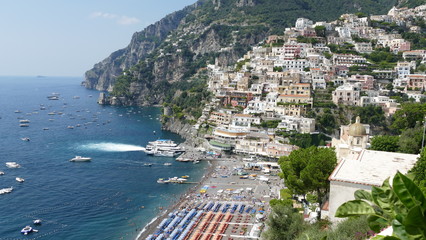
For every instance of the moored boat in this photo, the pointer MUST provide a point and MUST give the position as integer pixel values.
(80, 159)
(18, 179)
(6, 190)
(12, 165)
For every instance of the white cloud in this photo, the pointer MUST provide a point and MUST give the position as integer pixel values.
(120, 19)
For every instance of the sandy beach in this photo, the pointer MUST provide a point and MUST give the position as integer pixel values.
(230, 201)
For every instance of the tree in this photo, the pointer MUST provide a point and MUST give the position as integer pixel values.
(419, 171)
(284, 223)
(410, 140)
(385, 143)
(402, 206)
(320, 31)
(408, 116)
(307, 170)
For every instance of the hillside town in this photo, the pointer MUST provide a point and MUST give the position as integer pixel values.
(275, 83)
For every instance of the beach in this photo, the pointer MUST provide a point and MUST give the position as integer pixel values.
(229, 202)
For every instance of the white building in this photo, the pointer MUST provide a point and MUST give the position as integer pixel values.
(298, 124)
(363, 171)
(347, 94)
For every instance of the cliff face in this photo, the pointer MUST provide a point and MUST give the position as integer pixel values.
(220, 31)
(102, 76)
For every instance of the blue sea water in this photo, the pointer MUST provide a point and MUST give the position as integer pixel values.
(112, 197)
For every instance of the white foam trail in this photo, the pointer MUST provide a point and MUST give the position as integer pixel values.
(112, 147)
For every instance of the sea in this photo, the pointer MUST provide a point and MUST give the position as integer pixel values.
(114, 196)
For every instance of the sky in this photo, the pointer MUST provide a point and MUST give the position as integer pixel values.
(67, 37)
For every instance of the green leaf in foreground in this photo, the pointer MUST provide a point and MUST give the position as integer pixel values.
(354, 208)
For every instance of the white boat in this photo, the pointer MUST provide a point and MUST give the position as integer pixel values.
(147, 164)
(6, 190)
(28, 229)
(17, 111)
(24, 121)
(167, 164)
(195, 162)
(1, 173)
(80, 159)
(53, 97)
(70, 127)
(24, 125)
(12, 165)
(37, 221)
(26, 139)
(161, 180)
(18, 179)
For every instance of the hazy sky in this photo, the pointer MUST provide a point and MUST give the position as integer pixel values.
(67, 37)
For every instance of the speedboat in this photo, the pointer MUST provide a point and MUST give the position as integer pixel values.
(6, 190)
(161, 180)
(80, 159)
(24, 121)
(26, 139)
(196, 161)
(1, 173)
(18, 179)
(37, 221)
(167, 164)
(24, 125)
(12, 165)
(147, 164)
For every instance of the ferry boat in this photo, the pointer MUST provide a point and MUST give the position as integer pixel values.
(80, 159)
(12, 165)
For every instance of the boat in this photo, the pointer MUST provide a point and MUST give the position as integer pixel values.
(70, 127)
(12, 165)
(24, 121)
(26, 139)
(6, 190)
(76, 97)
(196, 161)
(18, 179)
(147, 164)
(51, 113)
(17, 111)
(167, 164)
(80, 159)
(53, 97)
(161, 180)
(37, 221)
(45, 128)
(28, 229)
(24, 125)
(1, 173)
(177, 180)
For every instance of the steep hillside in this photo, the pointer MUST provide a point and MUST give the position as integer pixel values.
(177, 46)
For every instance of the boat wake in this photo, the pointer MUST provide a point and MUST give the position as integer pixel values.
(112, 147)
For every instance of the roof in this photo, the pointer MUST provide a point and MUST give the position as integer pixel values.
(372, 167)
(357, 129)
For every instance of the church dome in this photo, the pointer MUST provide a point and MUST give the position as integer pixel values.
(357, 129)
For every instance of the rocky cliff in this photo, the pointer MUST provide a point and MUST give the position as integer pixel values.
(214, 31)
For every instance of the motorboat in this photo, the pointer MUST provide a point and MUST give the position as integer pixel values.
(1, 173)
(161, 180)
(24, 121)
(167, 164)
(26, 139)
(80, 159)
(37, 221)
(6, 190)
(147, 164)
(17, 111)
(53, 97)
(12, 165)
(28, 229)
(24, 125)
(18, 179)
(177, 180)
(70, 127)
(196, 161)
